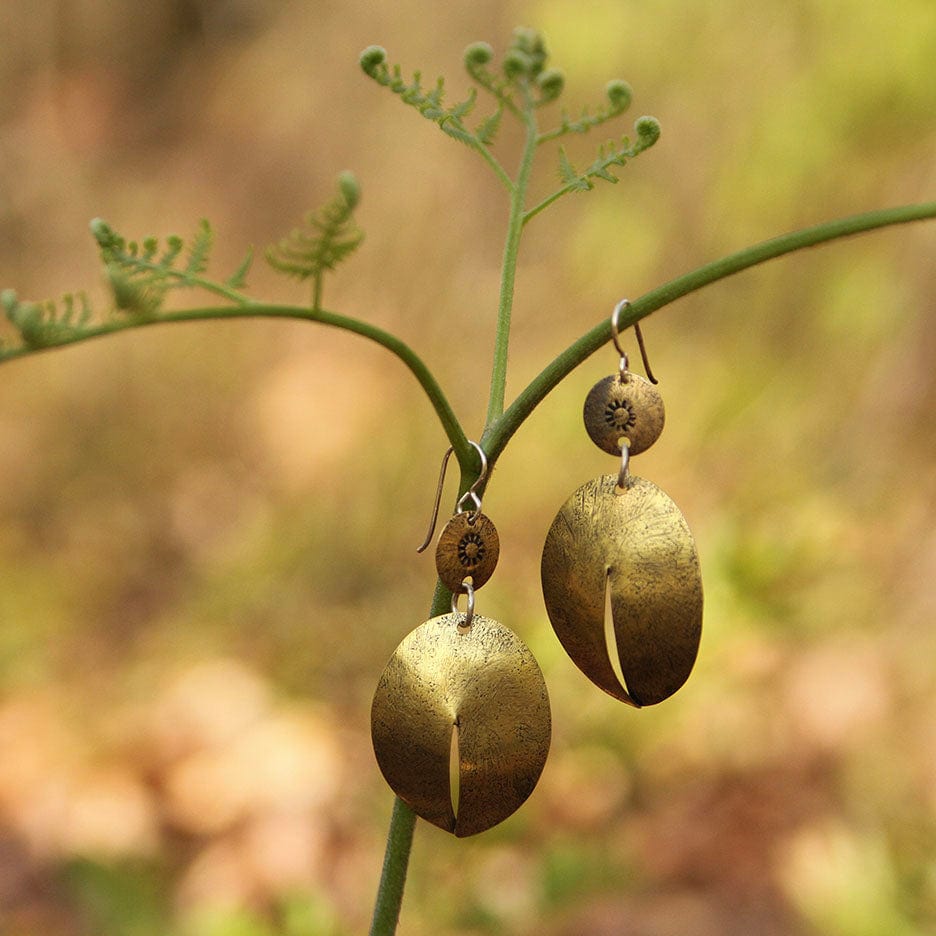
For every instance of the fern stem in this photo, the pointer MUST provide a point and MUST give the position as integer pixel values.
(449, 421)
(393, 876)
(509, 271)
(193, 280)
(499, 433)
(546, 202)
(317, 284)
(495, 165)
(403, 820)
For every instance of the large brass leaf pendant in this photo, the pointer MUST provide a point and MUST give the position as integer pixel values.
(483, 684)
(636, 543)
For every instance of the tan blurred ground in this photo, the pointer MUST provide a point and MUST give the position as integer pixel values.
(207, 543)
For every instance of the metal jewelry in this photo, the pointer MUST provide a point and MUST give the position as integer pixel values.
(460, 720)
(621, 534)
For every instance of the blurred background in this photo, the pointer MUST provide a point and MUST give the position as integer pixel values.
(208, 532)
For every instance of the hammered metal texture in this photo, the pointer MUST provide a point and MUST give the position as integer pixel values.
(631, 408)
(486, 682)
(467, 548)
(638, 544)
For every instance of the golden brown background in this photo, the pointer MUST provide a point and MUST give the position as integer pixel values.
(207, 532)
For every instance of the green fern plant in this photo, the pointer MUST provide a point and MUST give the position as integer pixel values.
(328, 237)
(44, 324)
(141, 274)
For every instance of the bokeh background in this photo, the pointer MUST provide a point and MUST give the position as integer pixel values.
(207, 532)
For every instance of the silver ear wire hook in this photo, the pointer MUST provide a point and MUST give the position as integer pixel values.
(470, 495)
(616, 338)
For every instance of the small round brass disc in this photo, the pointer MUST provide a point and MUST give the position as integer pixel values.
(467, 548)
(638, 545)
(483, 683)
(616, 407)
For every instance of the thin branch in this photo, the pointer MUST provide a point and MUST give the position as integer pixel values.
(508, 274)
(499, 433)
(531, 213)
(450, 424)
(488, 156)
(393, 876)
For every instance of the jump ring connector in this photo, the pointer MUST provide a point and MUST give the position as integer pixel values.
(469, 611)
(625, 462)
(469, 495)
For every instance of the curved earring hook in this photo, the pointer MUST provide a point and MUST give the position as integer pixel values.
(470, 495)
(616, 338)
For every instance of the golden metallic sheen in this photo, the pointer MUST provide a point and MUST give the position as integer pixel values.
(467, 548)
(638, 544)
(624, 406)
(485, 681)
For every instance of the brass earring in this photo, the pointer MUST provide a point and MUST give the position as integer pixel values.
(621, 533)
(460, 720)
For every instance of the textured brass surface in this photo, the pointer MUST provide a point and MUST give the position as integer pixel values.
(638, 544)
(631, 408)
(467, 548)
(487, 683)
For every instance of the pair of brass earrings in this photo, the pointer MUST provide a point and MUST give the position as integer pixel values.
(460, 720)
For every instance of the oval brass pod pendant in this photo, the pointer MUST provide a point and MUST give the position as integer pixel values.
(637, 543)
(481, 682)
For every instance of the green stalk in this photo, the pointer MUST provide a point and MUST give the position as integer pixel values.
(546, 202)
(393, 877)
(446, 415)
(509, 271)
(495, 165)
(497, 435)
(403, 820)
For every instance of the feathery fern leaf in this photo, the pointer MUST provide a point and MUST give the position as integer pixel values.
(486, 131)
(429, 103)
(43, 324)
(567, 172)
(619, 96)
(200, 248)
(238, 279)
(140, 274)
(609, 154)
(328, 236)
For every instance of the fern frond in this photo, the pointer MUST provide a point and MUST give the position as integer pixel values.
(140, 274)
(328, 237)
(567, 172)
(477, 57)
(429, 103)
(486, 131)
(619, 96)
(464, 108)
(609, 155)
(43, 324)
(456, 130)
(174, 245)
(200, 248)
(570, 175)
(238, 279)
